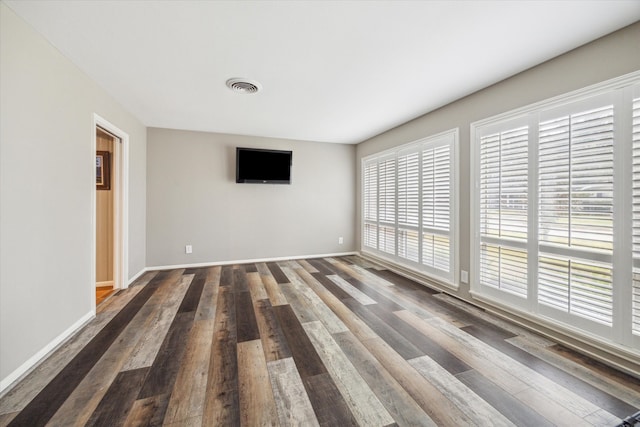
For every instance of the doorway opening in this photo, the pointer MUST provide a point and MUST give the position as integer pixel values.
(110, 262)
(105, 194)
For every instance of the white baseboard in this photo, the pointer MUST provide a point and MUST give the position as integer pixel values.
(137, 276)
(103, 284)
(246, 261)
(34, 360)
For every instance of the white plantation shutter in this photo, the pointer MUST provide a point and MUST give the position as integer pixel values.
(408, 204)
(556, 208)
(436, 205)
(370, 196)
(635, 292)
(387, 206)
(575, 173)
(503, 187)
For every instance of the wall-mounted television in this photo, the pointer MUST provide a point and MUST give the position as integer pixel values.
(260, 166)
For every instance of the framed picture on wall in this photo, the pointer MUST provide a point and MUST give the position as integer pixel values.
(103, 170)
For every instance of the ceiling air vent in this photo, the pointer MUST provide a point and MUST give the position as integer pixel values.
(243, 85)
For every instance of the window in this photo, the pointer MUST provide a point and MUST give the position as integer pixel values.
(551, 231)
(635, 294)
(408, 205)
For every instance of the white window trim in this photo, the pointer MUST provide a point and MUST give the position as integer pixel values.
(622, 239)
(453, 281)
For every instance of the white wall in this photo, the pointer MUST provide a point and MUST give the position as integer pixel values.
(47, 181)
(192, 198)
(611, 56)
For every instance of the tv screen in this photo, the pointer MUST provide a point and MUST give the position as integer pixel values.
(254, 165)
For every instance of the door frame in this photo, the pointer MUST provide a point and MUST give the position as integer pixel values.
(120, 177)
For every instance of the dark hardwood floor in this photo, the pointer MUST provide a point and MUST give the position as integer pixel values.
(331, 342)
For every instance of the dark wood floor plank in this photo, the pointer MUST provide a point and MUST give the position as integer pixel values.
(240, 280)
(277, 273)
(328, 404)
(192, 296)
(226, 276)
(587, 391)
(117, 402)
(165, 367)
(377, 296)
(592, 364)
(432, 349)
(322, 266)
(273, 339)
(304, 354)
(222, 400)
(250, 268)
(331, 287)
(401, 281)
(40, 410)
(246, 324)
(512, 408)
(148, 412)
(400, 344)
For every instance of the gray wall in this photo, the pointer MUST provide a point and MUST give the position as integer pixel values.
(192, 198)
(47, 179)
(605, 58)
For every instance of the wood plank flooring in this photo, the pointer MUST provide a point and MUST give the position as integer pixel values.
(317, 342)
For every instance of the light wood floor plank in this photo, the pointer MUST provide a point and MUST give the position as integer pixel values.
(404, 410)
(207, 306)
(188, 395)
(348, 288)
(305, 264)
(477, 409)
(431, 400)
(351, 321)
(300, 305)
(364, 404)
(257, 406)
(256, 287)
(147, 348)
(476, 357)
(273, 290)
(315, 304)
(292, 402)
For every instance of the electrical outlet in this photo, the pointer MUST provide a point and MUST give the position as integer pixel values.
(340, 240)
(464, 276)
(188, 249)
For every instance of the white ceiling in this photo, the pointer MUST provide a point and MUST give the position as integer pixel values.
(338, 71)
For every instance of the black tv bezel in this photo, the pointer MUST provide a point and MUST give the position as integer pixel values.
(262, 181)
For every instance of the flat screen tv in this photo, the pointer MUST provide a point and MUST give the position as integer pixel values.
(259, 166)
